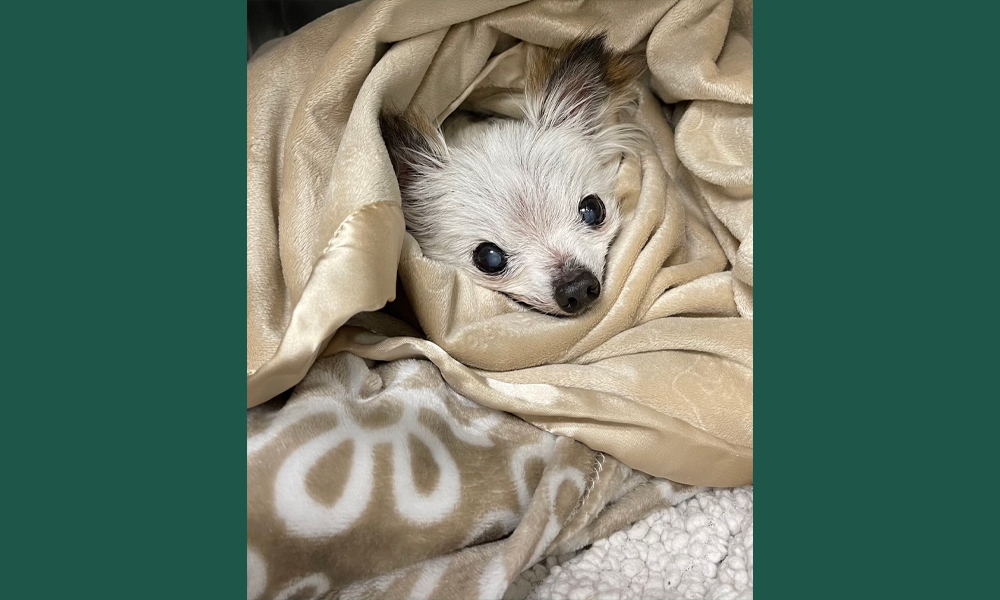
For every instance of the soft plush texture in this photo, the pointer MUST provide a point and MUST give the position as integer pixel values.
(659, 374)
(702, 548)
(379, 481)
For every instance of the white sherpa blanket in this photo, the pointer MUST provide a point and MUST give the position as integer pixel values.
(701, 548)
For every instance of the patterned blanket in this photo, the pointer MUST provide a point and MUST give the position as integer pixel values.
(383, 482)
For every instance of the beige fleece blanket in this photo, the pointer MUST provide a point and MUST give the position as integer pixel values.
(659, 374)
(382, 482)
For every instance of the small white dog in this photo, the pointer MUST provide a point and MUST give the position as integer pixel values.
(526, 207)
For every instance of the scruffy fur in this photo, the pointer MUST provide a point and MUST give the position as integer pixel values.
(518, 183)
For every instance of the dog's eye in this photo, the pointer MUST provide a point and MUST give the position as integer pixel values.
(592, 210)
(489, 258)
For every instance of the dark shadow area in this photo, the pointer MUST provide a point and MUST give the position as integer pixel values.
(269, 19)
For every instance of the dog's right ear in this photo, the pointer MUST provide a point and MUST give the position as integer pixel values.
(415, 145)
(583, 83)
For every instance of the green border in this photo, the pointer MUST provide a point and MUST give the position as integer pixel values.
(861, 157)
(122, 189)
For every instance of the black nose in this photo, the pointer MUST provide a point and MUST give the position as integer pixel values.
(577, 290)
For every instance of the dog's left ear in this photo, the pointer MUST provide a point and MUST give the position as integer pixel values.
(584, 84)
(415, 146)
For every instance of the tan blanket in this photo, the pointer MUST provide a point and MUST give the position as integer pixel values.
(660, 373)
(382, 482)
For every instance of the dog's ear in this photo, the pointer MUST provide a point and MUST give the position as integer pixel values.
(415, 145)
(582, 84)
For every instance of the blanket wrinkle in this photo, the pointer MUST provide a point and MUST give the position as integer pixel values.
(342, 305)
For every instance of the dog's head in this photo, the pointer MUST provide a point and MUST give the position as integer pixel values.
(527, 207)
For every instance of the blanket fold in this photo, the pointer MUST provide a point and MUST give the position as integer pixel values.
(659, 374)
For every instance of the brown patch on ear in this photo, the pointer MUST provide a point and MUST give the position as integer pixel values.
(541, 63)
(413, 142)
(623, 70)
(582, 79)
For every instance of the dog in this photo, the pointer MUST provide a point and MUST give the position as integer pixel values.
(526, 207)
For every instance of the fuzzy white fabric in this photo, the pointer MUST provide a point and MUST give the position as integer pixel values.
(701, 548)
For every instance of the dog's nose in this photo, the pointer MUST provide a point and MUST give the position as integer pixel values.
(577, 291)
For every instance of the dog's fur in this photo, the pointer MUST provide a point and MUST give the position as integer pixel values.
(518, 183)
